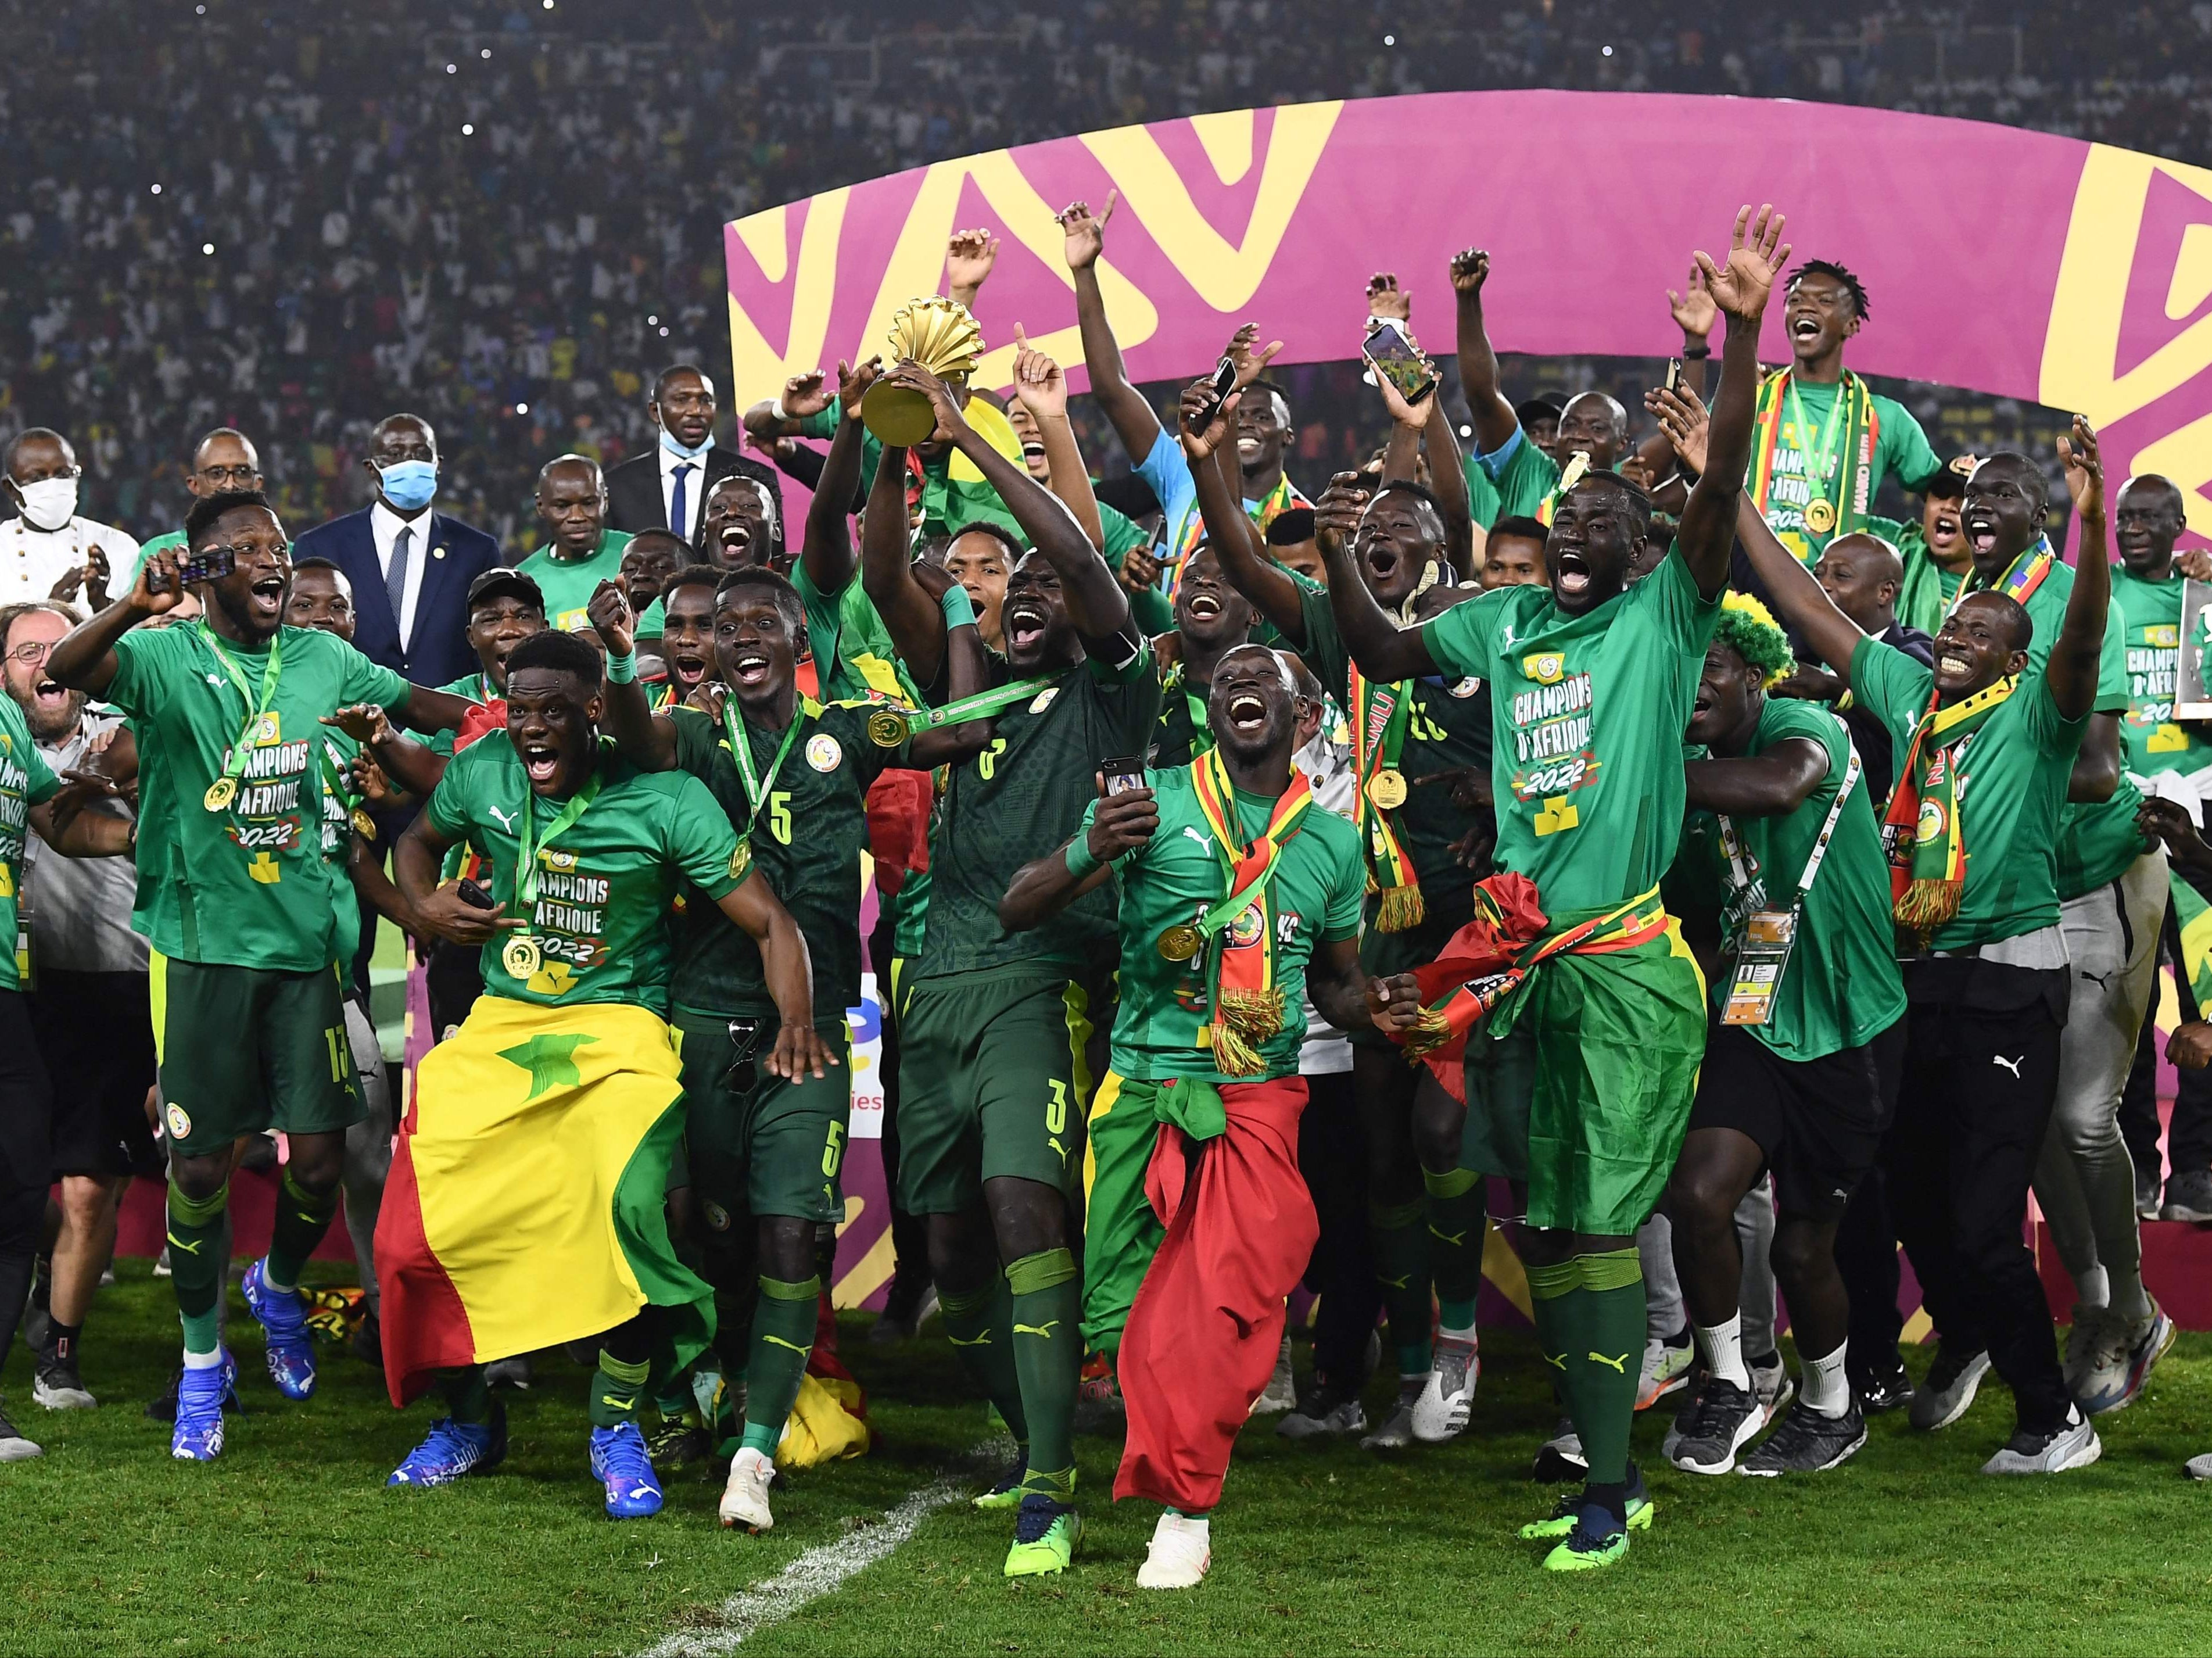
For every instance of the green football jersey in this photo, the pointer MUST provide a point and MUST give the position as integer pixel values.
(1587, 719)
(1164, 1026)
(807, 841)
(2155, 741)
(1841, 986)
(1522, 477)
(605, 883)
(568, 584)
(1447, 729)
(2012, 790)
(1183, 731)
(246, 886)
(1022, 797)
(1124, 535)
(1901, 451)
(25, 780)
(340, 801)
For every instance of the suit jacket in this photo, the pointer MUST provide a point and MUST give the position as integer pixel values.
(633, 497)
(458, 554)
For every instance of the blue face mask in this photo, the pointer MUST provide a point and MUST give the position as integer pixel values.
(668, 441)
(409, 485)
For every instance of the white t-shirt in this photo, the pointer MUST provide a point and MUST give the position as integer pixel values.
(32, 559)
(81, 907)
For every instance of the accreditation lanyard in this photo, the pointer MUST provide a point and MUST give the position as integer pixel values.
(225, 788)
(1769, 933)
(528, 844)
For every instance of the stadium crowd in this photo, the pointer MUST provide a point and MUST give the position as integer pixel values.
(1712, 844)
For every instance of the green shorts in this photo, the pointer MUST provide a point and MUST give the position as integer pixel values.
(773, 1148)
(994, 1081)
(1381, 954)
(1588, 1094)
(244, 1049)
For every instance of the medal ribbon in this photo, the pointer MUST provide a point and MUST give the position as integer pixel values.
(1380, 715)
(741, 748)
(2028, 572)
(1928, 865)
(255, 705)
(529, 844)
(968, 708)
(1247, 1001)
(1201, 729)
(1853, 417)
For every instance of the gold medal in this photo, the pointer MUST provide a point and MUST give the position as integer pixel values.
(1386, 789)
(521, 957)
(364, 824)
(886, 730)
(1821, 515)
(219, 794)
(1180, 943)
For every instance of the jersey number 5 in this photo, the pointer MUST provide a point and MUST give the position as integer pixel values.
(986, 762)
(779, 814)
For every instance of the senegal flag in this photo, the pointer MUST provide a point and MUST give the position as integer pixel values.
(524, 1206)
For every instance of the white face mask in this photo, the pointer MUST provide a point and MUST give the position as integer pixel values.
(50, 504)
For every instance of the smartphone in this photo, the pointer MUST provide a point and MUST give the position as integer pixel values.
(474, 896)
(1122, 774)
(1225, 381)
(1674, 375)
(1394, 357)
(210, 564)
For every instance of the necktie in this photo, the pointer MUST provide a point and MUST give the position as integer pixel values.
(678, 520)
(395, 582)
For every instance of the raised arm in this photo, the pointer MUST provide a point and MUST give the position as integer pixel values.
(1097, 604)
(1043, 389)
(1447, 483)
(2072, 670)
(1229, 531)
(910, 610)
(646, 739)
(1046, 885)
(415, 767)
(828, 548)
(1740, 288)
(753, 906)
(1374, 642)
(968, 257)
(1495, 423)
(967, 671)
(1134, 423)
(804, 397)
(84, 659)
(425, 710)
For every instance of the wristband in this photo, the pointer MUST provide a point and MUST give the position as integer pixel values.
(779, 410)
(1690, 353)
(623, 670)
(1080, 863)
(959, 608)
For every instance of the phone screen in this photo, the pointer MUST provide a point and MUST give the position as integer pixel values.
(1394, 356)
(1122, 775)
(211, 565)
(1674, 375)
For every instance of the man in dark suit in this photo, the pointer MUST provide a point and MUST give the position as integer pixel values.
(667, 489)
(410, 566)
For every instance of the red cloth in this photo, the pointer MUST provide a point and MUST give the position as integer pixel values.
(1203, 1335)
(898, 825)
(481, 721)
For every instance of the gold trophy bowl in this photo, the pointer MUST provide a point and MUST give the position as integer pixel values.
(942, 337)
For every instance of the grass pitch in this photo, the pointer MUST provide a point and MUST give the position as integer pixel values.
(290, 1543)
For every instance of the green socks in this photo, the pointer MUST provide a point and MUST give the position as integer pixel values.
(1589, 1323)
(1401, 1267)
(1457, 1222)
(617, 1388)
(303, 1217)
(783, 1336)
(467, 1400)
(1047, 1341)
(979, 1324)
(197, 1264)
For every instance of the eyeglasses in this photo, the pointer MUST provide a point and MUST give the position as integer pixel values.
(241, 474)
(32, 654)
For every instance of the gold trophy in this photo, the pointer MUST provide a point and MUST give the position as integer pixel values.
(943, 339)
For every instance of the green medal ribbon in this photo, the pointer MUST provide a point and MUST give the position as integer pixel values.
(256, 706)
(968, 708)
(529, 844)
(1817, 461)
(741, 751)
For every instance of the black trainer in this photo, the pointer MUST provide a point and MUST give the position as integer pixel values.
(1884, 1385)
(1807, 1443)
(54, 1382)
(1717, 1426)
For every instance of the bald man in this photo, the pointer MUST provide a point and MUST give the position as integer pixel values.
(579, 552)
(47, 550)
(224, 460)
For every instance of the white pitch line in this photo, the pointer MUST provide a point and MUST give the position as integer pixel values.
(819, 1570)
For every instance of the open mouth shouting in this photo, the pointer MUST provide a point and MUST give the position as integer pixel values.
(1954, 663)
(736, 539)
(1024, 623)
(1247, 714)
(1033, 454)
(752, 669)
(1571, 572)
(1379, 558)
(1203, 606)
(1804, 329)
(267, 596)
(541, 760)
(687, 666)
(1981, 527)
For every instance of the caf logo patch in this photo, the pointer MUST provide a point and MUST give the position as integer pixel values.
(1043, 700)
(717, 1217)
(823, 753)
(1467, 687)
(1544, 666)
(2164, 635)
(180, 1123)
(268, 730)
(1247, 929)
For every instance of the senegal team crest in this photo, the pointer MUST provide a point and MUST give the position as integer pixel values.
(1468, 686)
(180, 1123)
(1544, 666)
(268, 730)
(823, 753)
(1043, 700)
(716, 1216)
(1930, 826)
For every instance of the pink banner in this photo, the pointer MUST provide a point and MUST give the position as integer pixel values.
(1998, 260)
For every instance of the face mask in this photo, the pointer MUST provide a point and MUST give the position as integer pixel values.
(50, 504)
(409, 485)
(668, 441)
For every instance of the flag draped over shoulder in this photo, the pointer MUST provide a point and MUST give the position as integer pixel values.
(524, 1205)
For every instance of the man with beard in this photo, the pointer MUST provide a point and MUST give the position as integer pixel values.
(1411, 739)
(47, 550)
(527, 1205)
(793, 775)
(88, 1000)
(1264, 427)
(994, 1027)
(247, 1014)
(1228, 855)
(580, 552)
(1988, 741)
(1802, 1058)
(1592, 1042)
(1514, 555)
(1211, 619)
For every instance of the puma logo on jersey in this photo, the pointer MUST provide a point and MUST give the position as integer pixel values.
(983, 1339)
(1042, 1330)
(2012, 1066)
(1455, 1239)
(505, 818)
(1557, 1363)
(1620, 1364)
(790, 1346)
(1204, 841)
